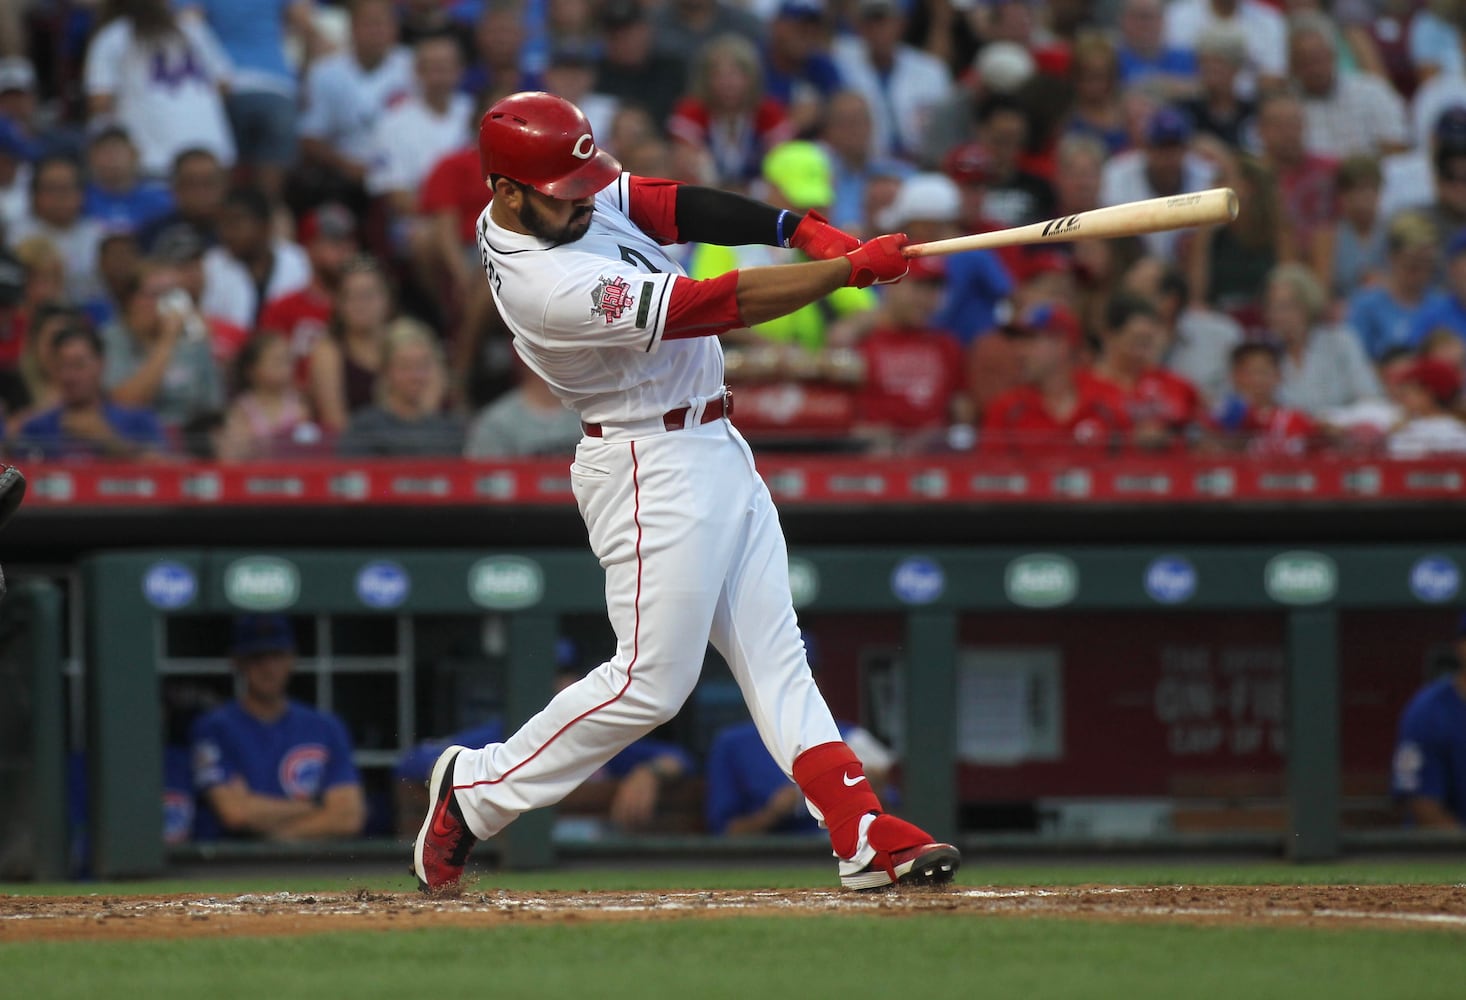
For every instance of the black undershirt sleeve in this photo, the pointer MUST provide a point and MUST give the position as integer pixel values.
(707, 215)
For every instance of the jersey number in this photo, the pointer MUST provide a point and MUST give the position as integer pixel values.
(637, 257)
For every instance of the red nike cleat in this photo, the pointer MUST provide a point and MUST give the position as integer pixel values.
(904, 854)
(444, 841)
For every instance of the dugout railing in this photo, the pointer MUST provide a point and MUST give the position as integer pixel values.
(128, 595)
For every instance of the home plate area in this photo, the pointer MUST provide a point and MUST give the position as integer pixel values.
(193, 915)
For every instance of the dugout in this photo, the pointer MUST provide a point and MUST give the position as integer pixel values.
(938, 631)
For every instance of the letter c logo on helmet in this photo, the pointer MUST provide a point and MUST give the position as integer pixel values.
(545, 142)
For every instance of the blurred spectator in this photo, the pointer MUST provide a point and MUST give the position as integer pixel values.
(1096, 109)
(799, 71)
(420, 130)
(1412, 179)
(266, 765)
(118, 258)
(726, 116)
(845, 136)
(527, 420)
(407, 418)
(55, 213)
(632, 69)
(1305, 180)
(181, 250)
(1446, 306)
(1445, 346)
(262, 101)
(432, 18)
(914, 387)
(345, 95)
(1429, 393)
(1145, 55)
(250, 266)
(342, 370)
(45, 274)
(1014, 196)
(1058, 405)
(1250, 415)
(1324, 365)
(85, 423)
(798, 177)
(928, 207)
(1358, 239)
(14, 339)
(116, 195)
(1435, 39)
(161, 77)
(1346, 114)
(328, 235)
(1430, 749)
(1165, 411)
(748, 794)
(268, 417)
(499, 38)
(1079, 161)
(1227, 264)
(999, 69)
(902, 84)
(1164, 166)
(1189, 21)
(16, 154)
(155, 357)
(1199, 340)
(20, 109)
(38, 388)
(684, 28)
(1216, 108)
(198, 185)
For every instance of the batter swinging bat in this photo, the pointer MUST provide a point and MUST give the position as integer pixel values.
(1204, 208)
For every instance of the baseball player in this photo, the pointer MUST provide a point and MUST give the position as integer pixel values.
(676, 512)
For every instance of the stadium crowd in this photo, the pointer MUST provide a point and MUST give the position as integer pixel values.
(244, 229)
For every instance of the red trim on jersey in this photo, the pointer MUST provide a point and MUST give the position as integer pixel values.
(653, 207)
(702, 308)
(635, 641)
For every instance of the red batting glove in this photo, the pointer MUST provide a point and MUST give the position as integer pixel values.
(878, 261)
(820, 240)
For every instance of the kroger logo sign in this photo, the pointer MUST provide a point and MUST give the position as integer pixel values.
(169, 585)
(918, 580)
(506, 583)
(1170, 580)
(261, 583)
(382, 584)
(804, 582)
(1300, 578)
(1435, 579)
(1041, 581)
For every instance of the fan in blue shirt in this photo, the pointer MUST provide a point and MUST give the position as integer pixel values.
(1430, 753)
(265, 765)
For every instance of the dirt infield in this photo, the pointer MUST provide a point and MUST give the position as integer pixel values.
(31, 918)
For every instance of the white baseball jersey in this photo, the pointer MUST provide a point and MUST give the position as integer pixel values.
(588, 316)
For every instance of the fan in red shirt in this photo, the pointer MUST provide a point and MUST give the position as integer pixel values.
(1058, 408)
(1165, 410)
(329, 237)
(1251, 414)
(913, 370)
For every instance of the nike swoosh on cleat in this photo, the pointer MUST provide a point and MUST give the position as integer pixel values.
(849, 781)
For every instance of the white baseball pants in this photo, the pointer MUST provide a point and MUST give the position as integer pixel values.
(693, 552)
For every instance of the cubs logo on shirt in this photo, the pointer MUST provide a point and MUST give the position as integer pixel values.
(302, 771)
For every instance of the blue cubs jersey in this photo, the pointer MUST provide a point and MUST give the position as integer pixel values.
(1430, 754)
(298, 756)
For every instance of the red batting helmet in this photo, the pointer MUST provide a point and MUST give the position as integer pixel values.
(544, 141)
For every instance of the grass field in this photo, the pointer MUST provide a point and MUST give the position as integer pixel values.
(837, 956)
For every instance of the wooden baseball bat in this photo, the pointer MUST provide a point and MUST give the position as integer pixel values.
(1203, 208)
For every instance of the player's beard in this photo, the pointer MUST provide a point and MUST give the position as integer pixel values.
(537, 224)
